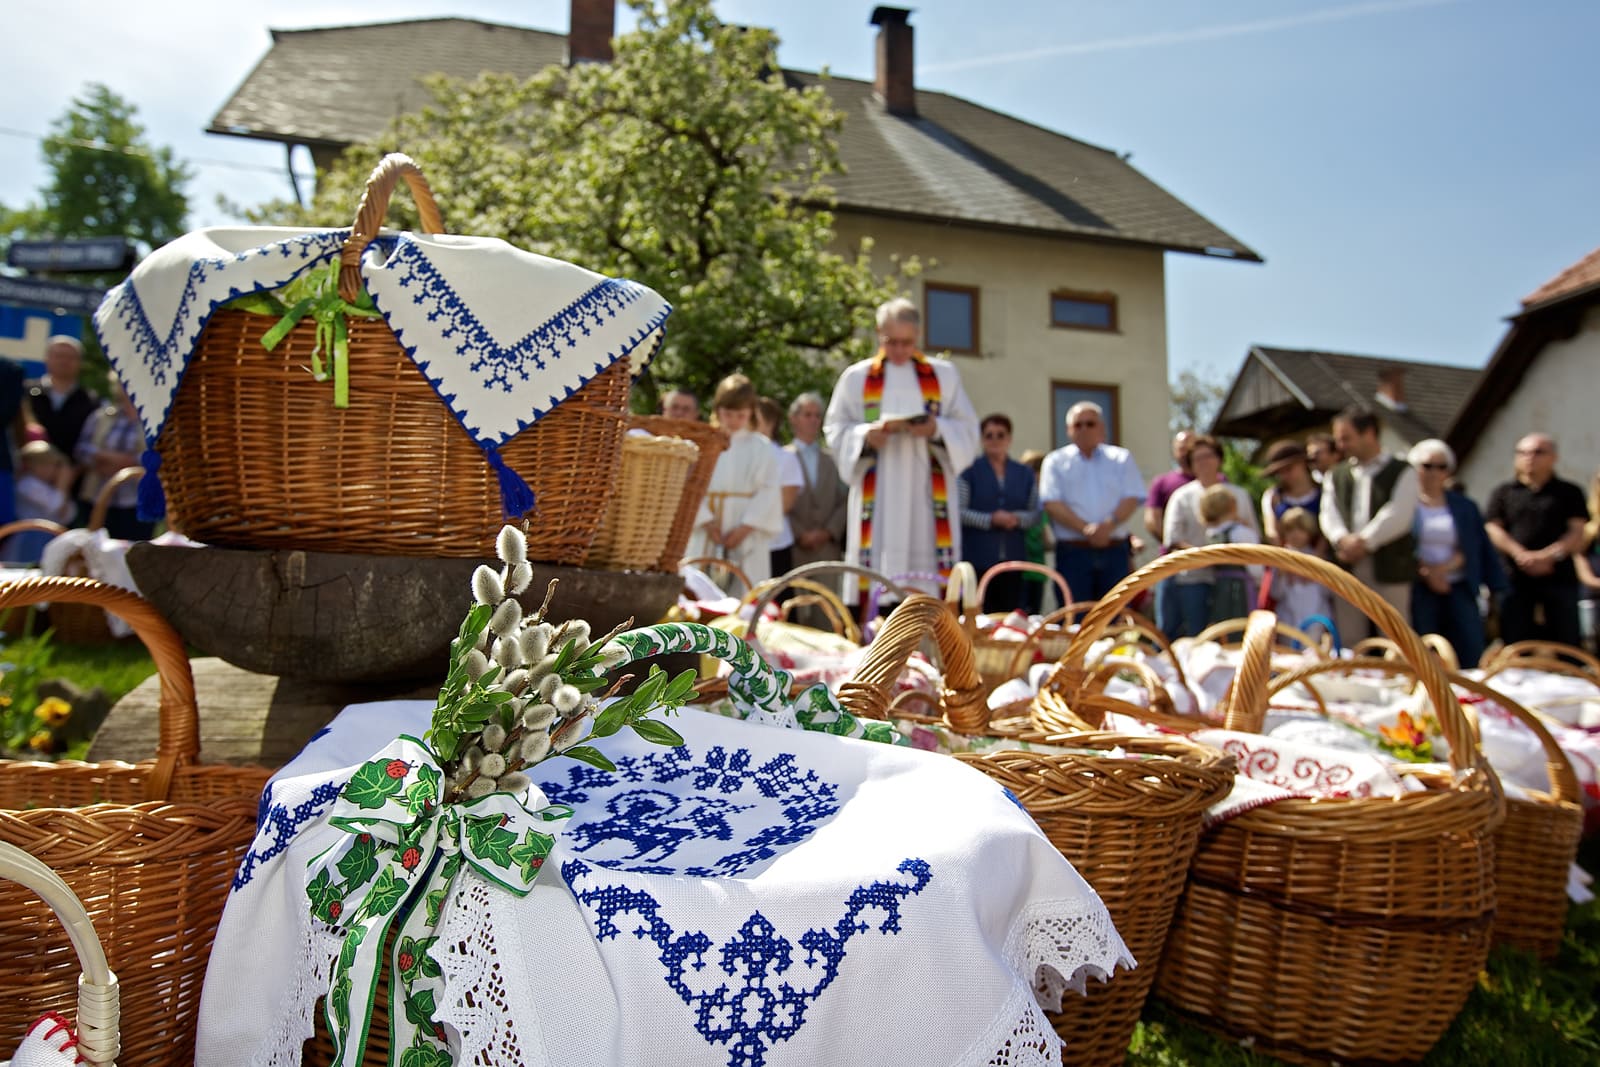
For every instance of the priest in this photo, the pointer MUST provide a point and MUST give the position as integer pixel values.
(902, 430)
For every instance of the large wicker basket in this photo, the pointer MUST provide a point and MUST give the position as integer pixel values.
(641, 509)
(1536, 845)
(150, 848)
(712, 442)
(1349, 928)
(1125, 810)
(255, 455)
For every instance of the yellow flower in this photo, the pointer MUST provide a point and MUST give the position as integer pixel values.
(42, 742)
(5, 701)
(52, 711)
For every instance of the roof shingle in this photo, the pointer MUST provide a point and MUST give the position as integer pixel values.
(1581, 275)
(1335, 380)
(954, 161)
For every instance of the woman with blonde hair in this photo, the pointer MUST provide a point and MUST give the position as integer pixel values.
(1454, 556)
(743, 508)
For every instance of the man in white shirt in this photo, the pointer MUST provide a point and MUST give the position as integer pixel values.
(1090, 489)
(1368, 505)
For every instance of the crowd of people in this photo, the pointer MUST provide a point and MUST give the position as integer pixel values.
(897, 472)
(63, 443)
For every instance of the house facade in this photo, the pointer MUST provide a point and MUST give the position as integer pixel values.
(1045, 276)
(1541, 378)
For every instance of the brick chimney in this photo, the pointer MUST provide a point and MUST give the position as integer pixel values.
(895, 83)
(594, 23)
(1392, 388)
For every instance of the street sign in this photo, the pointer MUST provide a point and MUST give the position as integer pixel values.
(82, 254)
(24, 333)
(30, 292)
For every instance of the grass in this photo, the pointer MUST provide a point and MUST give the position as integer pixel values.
(115, 669)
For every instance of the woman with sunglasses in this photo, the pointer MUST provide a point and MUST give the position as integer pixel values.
(1454, 556)
(999, 502)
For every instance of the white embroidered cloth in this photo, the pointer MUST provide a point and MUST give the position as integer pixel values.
(503, 335)
(756, 898)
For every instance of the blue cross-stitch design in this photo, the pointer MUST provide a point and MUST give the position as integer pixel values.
(277, 825)
(762, 992)
(654, 804)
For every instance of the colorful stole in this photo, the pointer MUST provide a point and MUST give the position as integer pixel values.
(872, 400)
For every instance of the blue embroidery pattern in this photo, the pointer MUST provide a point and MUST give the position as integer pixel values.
(159, 352)
(720, 796)
(502, 366)
(764, 996)
(277, 825)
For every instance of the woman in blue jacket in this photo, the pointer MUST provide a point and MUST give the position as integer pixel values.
(999, 501)
(1454, 556)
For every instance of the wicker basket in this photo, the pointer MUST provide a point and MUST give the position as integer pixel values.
(711, 442)
(1128, 823)
(1348, 928)
(98, 1015)
(150, 848)
(255, 455)
(641, 509)
(1536, 845)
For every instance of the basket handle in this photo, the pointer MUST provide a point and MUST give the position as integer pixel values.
(99, 1002)
(108, 493)
(838, 615)
(54, 529)
(389, 172)
(1246, 703)
(179, 743)
(1563, 782)
(733, 569)
(1542, 650)
(1013, 565)
(813, 571)
(963, 698)
(1069, 674)
(1217, 630)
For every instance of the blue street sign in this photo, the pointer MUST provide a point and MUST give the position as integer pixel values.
(50, 296)
(81, 254)
(24, 331)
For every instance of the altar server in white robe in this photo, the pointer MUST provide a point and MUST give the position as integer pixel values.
(903, 430)
(743, 507)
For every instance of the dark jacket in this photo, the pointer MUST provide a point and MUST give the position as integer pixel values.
(1482, 561)
(984, 546)
(63, 427)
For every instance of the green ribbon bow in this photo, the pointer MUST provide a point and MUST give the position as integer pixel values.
(330, 312)
(399, 863)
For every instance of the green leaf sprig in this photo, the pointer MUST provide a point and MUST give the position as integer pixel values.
(521, 689)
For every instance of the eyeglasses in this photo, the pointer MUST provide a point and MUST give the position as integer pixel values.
(995, 436)
(1433, 466)
(1532, 451)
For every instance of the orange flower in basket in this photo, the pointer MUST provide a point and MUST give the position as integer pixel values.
(42, 742)
(1405, 733)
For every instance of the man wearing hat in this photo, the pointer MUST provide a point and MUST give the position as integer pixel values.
(1292, 486)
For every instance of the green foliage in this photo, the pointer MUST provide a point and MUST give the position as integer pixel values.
(1194, 402)
(686, 164)
(24, 663)
(105, 178)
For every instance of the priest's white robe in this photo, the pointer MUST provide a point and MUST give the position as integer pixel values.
(744, 491)
(902, 527)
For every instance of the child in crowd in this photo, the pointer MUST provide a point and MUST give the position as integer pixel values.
(1233, 589)
(743, 507)
(44, 491)
(1299, 599)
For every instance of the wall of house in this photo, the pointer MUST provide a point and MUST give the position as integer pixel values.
(1021, 352)
(1556, 396)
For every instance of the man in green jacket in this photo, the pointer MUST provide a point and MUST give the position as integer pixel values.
(1368, 504)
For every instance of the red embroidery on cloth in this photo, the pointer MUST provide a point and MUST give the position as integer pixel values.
(1306, 775)
(59, 1025)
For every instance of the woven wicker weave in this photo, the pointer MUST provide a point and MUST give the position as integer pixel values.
(1129, 823)
(640, 510)
(150, 848)
(1325, 928)
(96, 1022)
(255, 455)
(1534, 847)
(711, 442)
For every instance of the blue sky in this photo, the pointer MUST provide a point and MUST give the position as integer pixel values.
(1408, 168)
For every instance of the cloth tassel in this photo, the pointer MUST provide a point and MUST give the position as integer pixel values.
(152, 503)
(516, 498)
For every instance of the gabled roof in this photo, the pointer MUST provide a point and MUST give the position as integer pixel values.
(1285, 391)
(954, 162)
(1581, 275)
(1552, 312)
